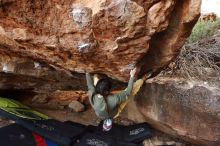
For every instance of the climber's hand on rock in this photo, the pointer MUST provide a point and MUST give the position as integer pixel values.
(133, 72)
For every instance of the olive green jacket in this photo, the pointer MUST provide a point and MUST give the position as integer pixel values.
(108, 107)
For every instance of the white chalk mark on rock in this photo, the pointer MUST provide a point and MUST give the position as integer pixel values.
(83, 47)
(5, 67)
(82, 15)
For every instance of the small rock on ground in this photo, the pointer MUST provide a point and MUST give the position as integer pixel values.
(76, 106)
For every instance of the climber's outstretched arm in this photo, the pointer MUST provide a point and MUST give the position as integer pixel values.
(123, 95)
(89, 81)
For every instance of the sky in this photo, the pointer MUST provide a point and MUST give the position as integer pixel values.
(209, 6)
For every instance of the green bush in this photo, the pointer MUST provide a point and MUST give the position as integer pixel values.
(204, 29)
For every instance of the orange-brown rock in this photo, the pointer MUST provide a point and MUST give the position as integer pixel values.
(58, 99)
(104, 36)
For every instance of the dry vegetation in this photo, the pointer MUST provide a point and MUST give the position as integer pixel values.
(199, 60)
(200, 56)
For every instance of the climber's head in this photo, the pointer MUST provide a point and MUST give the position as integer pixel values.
(103, 87)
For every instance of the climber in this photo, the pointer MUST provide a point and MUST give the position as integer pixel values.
(104, 103)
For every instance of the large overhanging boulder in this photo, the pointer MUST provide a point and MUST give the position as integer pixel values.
(104, 36)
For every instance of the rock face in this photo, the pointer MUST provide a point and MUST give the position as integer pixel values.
(188, 110)
(104, 36)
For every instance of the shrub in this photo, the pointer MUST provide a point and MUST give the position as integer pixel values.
(204, 29)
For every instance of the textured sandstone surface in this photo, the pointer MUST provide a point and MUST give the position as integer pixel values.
(104, 36)
(188, 110)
